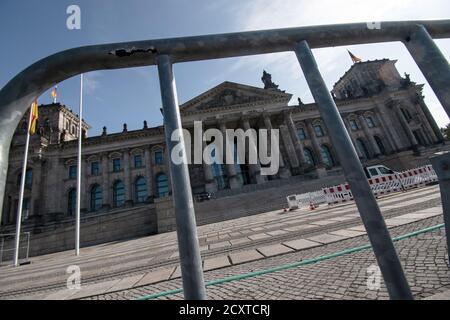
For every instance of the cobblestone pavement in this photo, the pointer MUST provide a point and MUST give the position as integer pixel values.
(231, 247)
(424, 258)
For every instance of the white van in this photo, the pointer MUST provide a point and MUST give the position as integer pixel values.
(378, 171)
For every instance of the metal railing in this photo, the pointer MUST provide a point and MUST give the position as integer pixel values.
(7, 247)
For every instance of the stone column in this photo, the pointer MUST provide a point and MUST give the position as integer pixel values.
(148, 171)
(315, 143)
(210, 182)
(289, 145)
(127, 177)
(283, 172)
(412, 139)
(36, 188)
(255, 169)
(428, 126)
(233, 180)
(369, 136)
(386, 133)
(105, 181)
(296, 140)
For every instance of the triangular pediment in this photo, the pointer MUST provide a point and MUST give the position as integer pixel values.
(229, 94)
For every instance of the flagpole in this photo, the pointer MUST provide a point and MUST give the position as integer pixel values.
(80, 136)
(22, 190)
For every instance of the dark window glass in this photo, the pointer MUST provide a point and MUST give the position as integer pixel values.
(140, 187)
(72, 172)
(326, 156)
(116, 165)
(354, 125)
(118, 194)
(159, 157)
(138, 161)
(162, 186)
(71, 202)
(301, 133)
(318, 130)
(95, 168)
(96, 198)
(308, 156)
(370, 122)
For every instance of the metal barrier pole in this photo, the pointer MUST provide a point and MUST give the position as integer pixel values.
(190, 260)
(377, 231)
(441, 165)
(431, 62)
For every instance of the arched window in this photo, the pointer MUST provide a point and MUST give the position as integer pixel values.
(118, 194)
(301, 133)
(326, 155)
(96, 198)
(309, 158)
(71, 201)
(162, 185)
(362, 148)
(380, 144)
(140, 187)
(370, 122)
(318, 130)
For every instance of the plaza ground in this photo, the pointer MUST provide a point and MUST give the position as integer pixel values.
(131, 269)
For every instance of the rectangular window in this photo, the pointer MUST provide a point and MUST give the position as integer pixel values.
(370, 122)
(353, 125)
(138, 161)
(95, 168)
(116, 165)
(72, 172)
(159, 157)
(26, 208)
(318, 130)
(301, 133)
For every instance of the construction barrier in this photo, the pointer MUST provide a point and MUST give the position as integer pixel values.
(400, 181)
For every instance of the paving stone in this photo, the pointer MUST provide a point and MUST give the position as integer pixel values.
(300, 244)
(235, 242)
(277, 232)
(93, 289)
(326, 238)
(259, 236)
(216, 263)
(274, 250)
(155, 276)
(218, 245)
(126, 283)
(245, 256)
(347, 233)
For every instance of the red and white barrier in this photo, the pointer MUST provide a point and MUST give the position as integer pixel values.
(402, 181)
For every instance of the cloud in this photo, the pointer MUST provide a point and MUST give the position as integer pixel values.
(333, 62)
(91, 82)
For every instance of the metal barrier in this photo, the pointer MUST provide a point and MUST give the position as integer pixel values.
(7, 247)
(401, 181)
(417, 36)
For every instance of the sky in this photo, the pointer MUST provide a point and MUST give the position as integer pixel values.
(33, 29)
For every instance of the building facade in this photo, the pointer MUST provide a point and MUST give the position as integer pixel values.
(384, 114)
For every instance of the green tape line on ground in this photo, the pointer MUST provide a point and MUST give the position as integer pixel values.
(290, 265)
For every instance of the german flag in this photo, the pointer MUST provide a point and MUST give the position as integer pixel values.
(353, 57)
(34, 116)
(54, 94)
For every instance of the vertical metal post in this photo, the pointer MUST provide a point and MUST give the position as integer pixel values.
(377, 231)
(21, 194)
(80, 137)
(431, 62)
(441, 165)
(190, 260)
